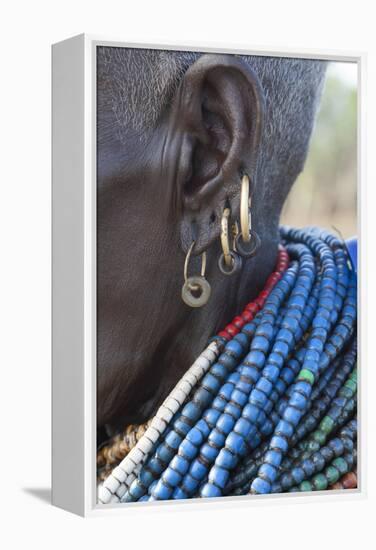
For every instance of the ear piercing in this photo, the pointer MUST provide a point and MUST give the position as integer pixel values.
(196, 290)
(229, 261)
(247, 242)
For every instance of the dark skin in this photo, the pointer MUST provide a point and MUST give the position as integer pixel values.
(153, 201)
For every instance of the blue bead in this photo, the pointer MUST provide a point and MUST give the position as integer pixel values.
(211, 415)
(298, 475)
(308, 467)
(195, 436)
(260, 343)
(173, 439)
(211, 383)
(171, 477)
(180, 464)
(191, 410)
(267, 471)
(234, 348)
(216, 438)
(136, 491)
(239, 397)
(292, 415)
(284, 428)
(298, 400)
(258, 398)
(219, 476)
(226, 459)
(225, 423)
(208, 452)
(210, 491)
(145, 477)
(179, 494)
(198, 470)
(260, 486)
(164, 453)
(235, 442)
(187, 449)
(251, 412)
(273, 457)
(264, 385)
(271, 372)
(189, 484)
(243, 427)
(279, 442)
(161, 491)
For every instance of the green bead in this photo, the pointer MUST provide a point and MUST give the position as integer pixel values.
(326, 424)
(352, 385)
(341, 464)
(320, 482)
(320, 437)
(306, 375)
(305, 486)
(332, 474)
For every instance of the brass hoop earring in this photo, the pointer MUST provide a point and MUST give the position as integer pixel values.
(229, 261)
(196, 290)
(247, 242)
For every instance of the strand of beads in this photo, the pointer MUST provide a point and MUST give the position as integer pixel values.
(185, 438)
(246, 471)
(337, 294)
(279, 396)
(286, 342)
(338, 467)
(305, 468)
(116, 485)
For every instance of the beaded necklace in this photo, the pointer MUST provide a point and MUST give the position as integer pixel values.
(270, 405)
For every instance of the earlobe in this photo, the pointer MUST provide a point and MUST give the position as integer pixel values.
(218, 114)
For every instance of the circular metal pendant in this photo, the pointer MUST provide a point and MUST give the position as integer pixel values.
(196, 291)
(235, 266)
(247, 250)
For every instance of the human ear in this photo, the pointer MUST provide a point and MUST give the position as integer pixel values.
(215, 127)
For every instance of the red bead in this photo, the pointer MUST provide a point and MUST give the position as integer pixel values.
(224, 334)
(252, 307)
(238, 322)
(247, 316)
(232, 329)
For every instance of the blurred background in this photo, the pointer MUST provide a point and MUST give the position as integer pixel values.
(325, 192)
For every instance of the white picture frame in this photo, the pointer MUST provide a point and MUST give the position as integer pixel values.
(74, 274)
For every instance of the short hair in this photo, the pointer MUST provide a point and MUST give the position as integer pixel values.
(136, 86)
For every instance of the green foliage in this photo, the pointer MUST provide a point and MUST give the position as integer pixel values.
(325, 193)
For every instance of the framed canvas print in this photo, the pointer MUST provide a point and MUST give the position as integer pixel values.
(205, 275)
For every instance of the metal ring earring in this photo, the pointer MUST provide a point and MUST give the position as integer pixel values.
(196, 290)
(247, 242)
(229, 261)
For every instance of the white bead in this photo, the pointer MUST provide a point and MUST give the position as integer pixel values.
(130, 480)
(158, 424)
(152, 434)
(172, 404)
(185, 386)
(164, 413)
(127, 465)
(191, 378)
(145, 445)
(119, 474)
(179, 395)
(115, 498)
(202, 362)
(104, 495)
(121, 490)
(135, 455)
(111, 483)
